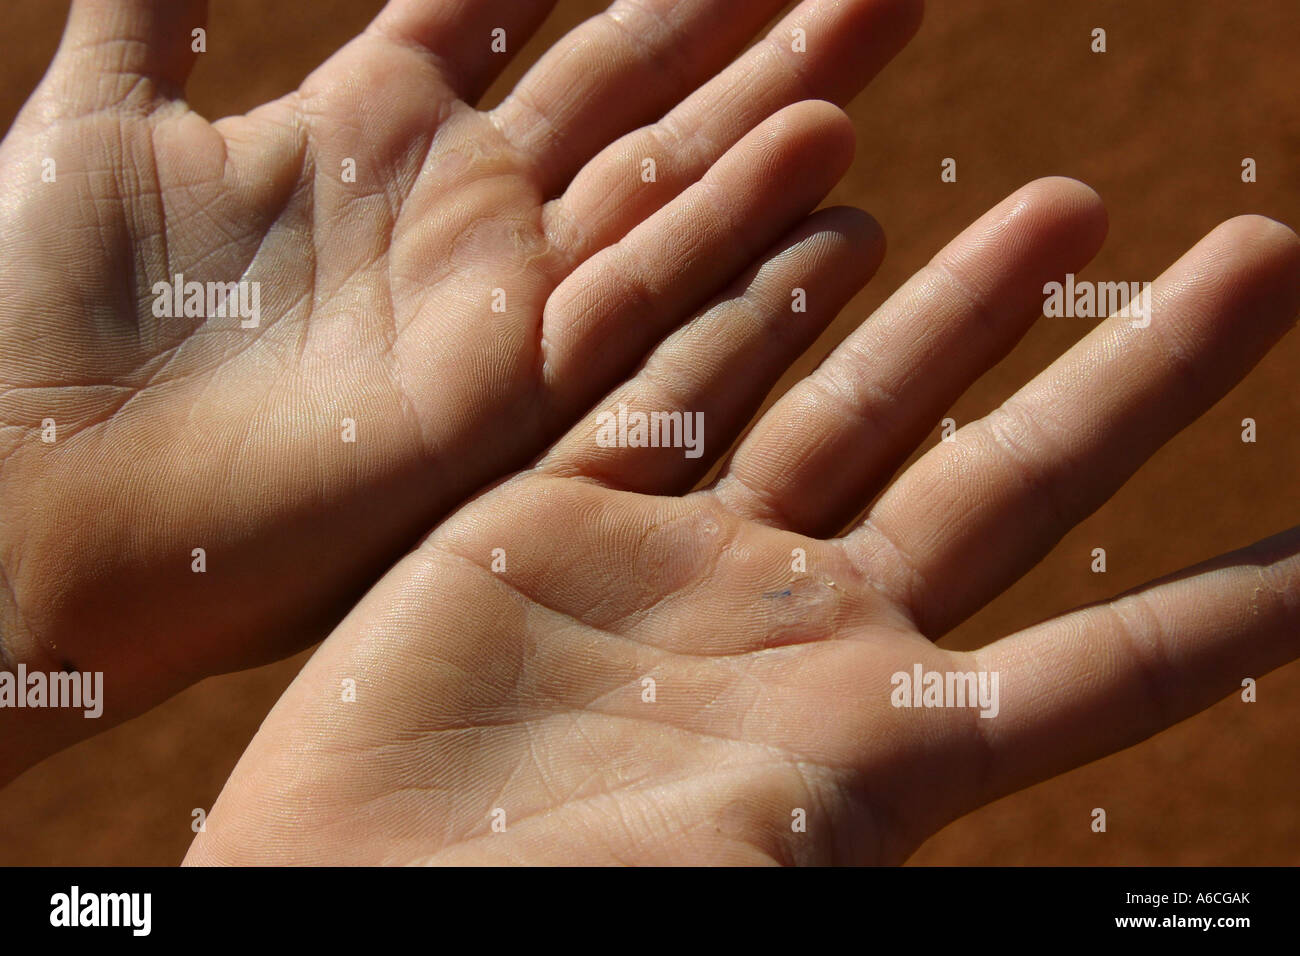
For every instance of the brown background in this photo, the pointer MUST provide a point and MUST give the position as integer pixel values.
(1159, 126)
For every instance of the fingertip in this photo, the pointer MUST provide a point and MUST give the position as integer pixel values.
(817, 131)
(1068, 188)
(808, 112)
(1055, 221)
(859, 231)
(1073, 200)
(1247, 269)
(821, 115)
(842, 242)
(1255, 229)
(1261, 245)
(1272, 251)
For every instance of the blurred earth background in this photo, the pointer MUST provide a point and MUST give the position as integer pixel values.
(1159, 126)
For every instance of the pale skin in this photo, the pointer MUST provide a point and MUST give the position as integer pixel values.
(467, 712)
(523, 690)
(174, 434)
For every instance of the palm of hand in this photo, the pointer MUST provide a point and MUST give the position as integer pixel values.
(369, 293)
(659, 686)
(567, 672)
(412, 296)
(438, 292)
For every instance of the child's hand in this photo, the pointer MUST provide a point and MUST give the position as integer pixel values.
(572, 670)
(426, 296)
